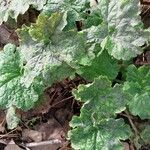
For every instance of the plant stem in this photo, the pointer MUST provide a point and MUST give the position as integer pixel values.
(131, 123)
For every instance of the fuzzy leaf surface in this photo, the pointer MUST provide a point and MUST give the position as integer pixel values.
(120, 31)
(138, 85)
(15, 7)
(101, 99)
(104, 136)
(12, 91)
(99, 129)
(46, 53)
(103, 64)
(75, 9)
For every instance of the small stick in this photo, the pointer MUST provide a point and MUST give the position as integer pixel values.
(62, 101)
(50, 142)
(8, 134)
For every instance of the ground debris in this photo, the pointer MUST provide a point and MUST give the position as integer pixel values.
(12, 146)
(35, 136)
(143, 59)
(7, 35)
(50, 120)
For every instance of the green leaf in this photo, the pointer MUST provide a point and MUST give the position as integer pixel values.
(105, 136)
(73, 8)
(13, 93)
(15, 7)
(103, 64)
(12, 90)
(64, 49)
(138, 86)
(95, 128)
(145, 134)
(46, 26)
(121, 31)
(101, 99)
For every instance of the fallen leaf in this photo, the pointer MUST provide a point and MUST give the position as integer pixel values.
(32, 134)
(50, 130)
(12, 146)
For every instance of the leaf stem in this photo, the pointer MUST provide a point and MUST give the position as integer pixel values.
(131, 123)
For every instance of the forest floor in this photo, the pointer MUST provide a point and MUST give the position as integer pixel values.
(45, 127)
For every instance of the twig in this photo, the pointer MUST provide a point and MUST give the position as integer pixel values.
(125, 115)
(50, 142)
(52, 97)
(62, 101)
(8, 134)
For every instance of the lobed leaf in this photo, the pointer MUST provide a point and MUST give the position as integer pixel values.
(13, 92)
(15, 7)
(101, 98)
(138, 86)
(104, 136)
(46, 26)
(52, 48)
(73, 8)
(103, 64)
(120, 30)
(95, 128)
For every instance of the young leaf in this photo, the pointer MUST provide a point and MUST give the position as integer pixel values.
(138, 85)
(95, 128)
(15, 7)
(46, 26)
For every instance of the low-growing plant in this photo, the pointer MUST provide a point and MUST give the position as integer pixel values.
(111, 35)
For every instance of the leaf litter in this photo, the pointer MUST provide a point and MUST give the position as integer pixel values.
(48, 121)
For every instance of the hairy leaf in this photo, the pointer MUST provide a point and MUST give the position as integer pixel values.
(138, 85)
(47, 52)
(101, 98)
(60, 5)
(74, 9)
(104, 136)
(15, 7)
(12, 90)
(95, 128)
(103, 64)
(47, 26)
(121, 31)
